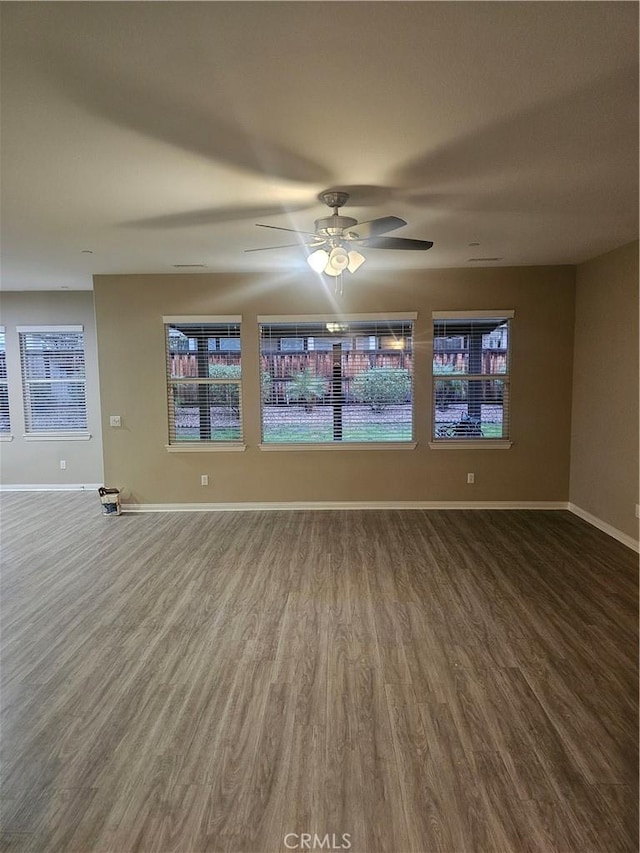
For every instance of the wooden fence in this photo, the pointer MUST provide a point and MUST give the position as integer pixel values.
(494, 362)
(281, 367)
(185, 365)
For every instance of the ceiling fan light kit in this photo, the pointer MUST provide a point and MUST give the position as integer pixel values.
(318, 260)
(338, 260)
(335, 239)
(355, 260)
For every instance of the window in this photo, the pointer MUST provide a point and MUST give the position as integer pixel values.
(53, 378)
(5, 424)
(331, 382)
(471, 376)
(204, 381)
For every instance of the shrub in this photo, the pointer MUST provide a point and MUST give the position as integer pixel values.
(448, 391)
(265, 385)
(381, 387)
(225, 395)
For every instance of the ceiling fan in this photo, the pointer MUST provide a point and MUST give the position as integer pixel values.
(336, 237)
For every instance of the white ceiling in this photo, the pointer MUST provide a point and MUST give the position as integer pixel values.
(158, 133)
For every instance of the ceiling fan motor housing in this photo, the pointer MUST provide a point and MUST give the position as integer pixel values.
(334, 226)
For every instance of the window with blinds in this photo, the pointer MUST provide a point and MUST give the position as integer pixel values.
(328, 380)
(471, 375)
(5, 423)
(53, 379)
(204, 379)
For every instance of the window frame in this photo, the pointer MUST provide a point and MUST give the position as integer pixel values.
(453, 442)
(199, 445)
(408, 317)
(66, 433)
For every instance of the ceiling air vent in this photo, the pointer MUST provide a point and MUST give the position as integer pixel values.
(484, 259)
(189, 266)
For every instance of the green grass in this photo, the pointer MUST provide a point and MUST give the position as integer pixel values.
(314, 434)
(487, 430)
(226, 434)
(492, 430)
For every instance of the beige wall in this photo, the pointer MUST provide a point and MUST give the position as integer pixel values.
(38, 462)
(129, 312)
(604, 448)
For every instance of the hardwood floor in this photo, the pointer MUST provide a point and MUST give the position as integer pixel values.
(421, 681)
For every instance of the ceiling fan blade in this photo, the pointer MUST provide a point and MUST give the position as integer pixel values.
(287, 246)
(293, 230)
(395, 243)
(213, 216)
(373, 227)
(144, 108)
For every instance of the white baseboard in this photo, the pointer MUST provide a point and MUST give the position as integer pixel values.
(339, 505)
(50, 487)
(629, 541)
(381, 505)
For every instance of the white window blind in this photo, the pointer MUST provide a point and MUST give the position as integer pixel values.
(471, 375)
(5, 423)
(336, 380)
(53, 378)
(204, 380)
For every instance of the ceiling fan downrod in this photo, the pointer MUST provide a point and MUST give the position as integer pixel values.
(334, 199)
(334, 227)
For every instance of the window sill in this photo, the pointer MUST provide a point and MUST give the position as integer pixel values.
(345, 445)
(203, 447)
(470, 444)
(57, 436)
(6, 437)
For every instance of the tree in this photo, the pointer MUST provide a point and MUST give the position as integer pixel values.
(305, 387)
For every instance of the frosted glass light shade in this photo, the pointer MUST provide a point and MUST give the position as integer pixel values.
(338, 260)
(318, 260)
(355, 261)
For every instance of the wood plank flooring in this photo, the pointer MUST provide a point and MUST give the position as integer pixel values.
(421, 681)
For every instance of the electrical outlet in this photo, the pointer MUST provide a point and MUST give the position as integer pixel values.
(63, 464)
(115, 420)
(204, 479)
(471, 478)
